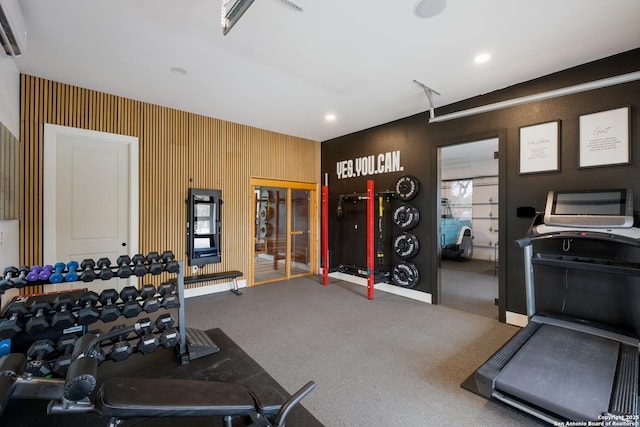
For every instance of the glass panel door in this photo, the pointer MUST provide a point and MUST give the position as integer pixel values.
(285, 238)
(271, 234)
(300, 260)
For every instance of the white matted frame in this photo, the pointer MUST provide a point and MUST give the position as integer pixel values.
(604, 138)
(540, 148)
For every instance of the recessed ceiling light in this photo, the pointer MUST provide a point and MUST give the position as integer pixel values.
(482, 58)
(429, 8)
(330, 117)
(179, 71)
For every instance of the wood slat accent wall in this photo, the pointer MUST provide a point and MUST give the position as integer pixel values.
(9, 161)
(177, 151)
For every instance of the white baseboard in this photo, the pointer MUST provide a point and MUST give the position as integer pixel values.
(396, 290)
(517, 319)
(213, 289)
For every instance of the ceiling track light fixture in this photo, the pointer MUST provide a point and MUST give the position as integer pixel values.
(232, 14)
(582, 87)
(293, 5)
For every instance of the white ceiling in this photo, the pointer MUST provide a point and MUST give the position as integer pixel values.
(283, 70)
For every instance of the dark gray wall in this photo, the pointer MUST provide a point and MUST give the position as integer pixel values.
(418, 141)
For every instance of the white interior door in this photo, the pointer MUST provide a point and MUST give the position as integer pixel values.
(90, 198)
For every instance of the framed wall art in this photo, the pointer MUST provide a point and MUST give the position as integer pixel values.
(604, 138)
(540, 148)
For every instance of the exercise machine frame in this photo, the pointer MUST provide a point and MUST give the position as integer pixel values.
(370, 198)
(522, 373)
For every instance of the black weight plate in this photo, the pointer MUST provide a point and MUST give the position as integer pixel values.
(266, 213)
(405, 274)
(406, 216)
(407, 187)
(406, 245)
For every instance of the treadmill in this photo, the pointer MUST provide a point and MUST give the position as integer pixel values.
(578, 361)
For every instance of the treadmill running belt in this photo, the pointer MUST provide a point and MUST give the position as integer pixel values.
(567, 372)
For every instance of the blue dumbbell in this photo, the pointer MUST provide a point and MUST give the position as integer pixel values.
(72, 274)
(56, 274)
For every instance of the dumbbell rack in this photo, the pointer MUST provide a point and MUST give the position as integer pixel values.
(192, 343)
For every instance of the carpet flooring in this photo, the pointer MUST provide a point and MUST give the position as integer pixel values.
(390, 361)
(470, 286)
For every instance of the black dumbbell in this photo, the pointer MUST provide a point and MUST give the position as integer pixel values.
(155, 267)
(65, 347)
(109, 311)
(63, 317)
(37, 352)
(148, 294)
(38, 322)
(168, 293)
(104, 264)
(169, 338)
(11, 326)
(144, 326)
(88, 312)
(170, 263)
(121, 348)
(131, 307)
(124, 270)
(7, 281)
(139, 267)
(87, 265)
(147, 343)
(165, 321)
(21, 281)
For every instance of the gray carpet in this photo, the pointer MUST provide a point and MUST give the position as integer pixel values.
(470, 286)
(391, 361)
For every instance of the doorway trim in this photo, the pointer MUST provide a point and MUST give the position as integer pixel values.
(51, 133)
(501, 135)
(314, 224)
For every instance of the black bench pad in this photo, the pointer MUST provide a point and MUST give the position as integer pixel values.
(188, 280)
(151, 397)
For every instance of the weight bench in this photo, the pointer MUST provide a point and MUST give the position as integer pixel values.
(232, 274)
(123, 398)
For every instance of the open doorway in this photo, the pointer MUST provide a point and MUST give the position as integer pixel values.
(469, 227)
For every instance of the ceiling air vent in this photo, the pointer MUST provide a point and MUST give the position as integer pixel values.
(13, 34)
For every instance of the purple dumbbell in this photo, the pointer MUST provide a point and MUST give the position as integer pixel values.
(46, 272)
(32, 275)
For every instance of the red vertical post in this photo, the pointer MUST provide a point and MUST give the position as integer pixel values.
(370, 239)
(325, 235)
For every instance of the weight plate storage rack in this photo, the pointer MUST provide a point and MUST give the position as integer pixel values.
(406, 245)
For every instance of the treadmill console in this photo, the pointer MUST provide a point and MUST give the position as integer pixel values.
(598, 209)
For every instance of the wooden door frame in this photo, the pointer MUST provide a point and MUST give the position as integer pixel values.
(313, 188)
(51, 133)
